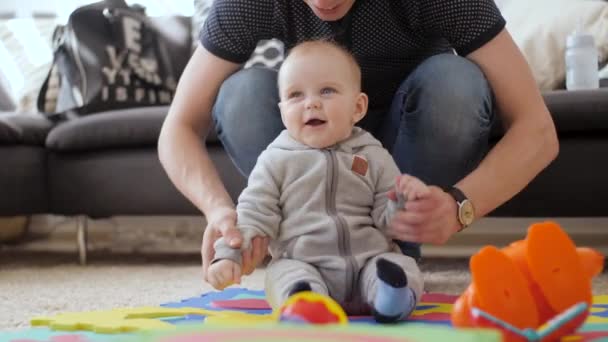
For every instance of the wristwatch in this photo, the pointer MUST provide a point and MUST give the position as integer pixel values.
(465, 211)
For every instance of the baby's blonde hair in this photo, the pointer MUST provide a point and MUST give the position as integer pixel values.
(325, 43)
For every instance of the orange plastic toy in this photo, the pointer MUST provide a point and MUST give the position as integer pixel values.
(544, 280)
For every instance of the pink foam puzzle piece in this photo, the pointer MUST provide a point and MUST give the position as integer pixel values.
(242, 304)
(438, 298)
(262, 304)
(60, 338)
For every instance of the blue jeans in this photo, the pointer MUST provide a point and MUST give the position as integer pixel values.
(437, 127)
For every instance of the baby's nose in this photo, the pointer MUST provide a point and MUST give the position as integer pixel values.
(313, 102)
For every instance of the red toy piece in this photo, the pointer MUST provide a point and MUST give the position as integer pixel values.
(312, 308)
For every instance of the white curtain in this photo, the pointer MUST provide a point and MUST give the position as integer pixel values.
(62, 8)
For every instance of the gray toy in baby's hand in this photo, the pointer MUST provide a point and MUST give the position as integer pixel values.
(393, 206)
(400, 200)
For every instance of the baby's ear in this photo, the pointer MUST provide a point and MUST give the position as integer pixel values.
(360, 107)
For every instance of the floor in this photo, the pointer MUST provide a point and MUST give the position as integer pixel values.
(149, 261)
(35, 284)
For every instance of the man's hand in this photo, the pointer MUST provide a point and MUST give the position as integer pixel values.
(410, 187)
(222, 223)
(429, 215)
(224, 273)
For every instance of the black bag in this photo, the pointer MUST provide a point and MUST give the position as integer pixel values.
(108, 56)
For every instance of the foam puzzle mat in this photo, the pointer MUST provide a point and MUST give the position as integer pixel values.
(222, 311)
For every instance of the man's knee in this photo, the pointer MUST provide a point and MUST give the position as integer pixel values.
(450, 82)
(443, 113)
(243, 92)
(246, 115)
(451, 95)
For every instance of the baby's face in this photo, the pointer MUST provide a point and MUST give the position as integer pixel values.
(320, 97)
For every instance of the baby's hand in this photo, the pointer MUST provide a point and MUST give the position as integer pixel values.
(411, 187)
(224, 273)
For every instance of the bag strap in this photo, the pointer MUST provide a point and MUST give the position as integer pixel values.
(43, 101)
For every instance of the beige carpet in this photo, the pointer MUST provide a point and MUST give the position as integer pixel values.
(35, 284)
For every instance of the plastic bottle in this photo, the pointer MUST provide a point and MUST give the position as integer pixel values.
(581, 61)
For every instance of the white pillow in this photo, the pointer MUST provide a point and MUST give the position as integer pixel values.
(540, 29)
(7, 99)
(25, 57)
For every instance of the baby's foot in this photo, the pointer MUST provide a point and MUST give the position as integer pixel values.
(394, 300)
(300, 286)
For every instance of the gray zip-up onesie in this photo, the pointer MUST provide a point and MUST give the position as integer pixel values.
(325, 211)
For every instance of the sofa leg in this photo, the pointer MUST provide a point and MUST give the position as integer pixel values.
(82, 239)
(13, 229)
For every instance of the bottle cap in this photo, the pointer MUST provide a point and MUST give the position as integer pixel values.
(579, 40)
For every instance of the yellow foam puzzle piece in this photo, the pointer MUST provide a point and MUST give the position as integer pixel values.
(240, 318)
(433, 308)
(118, 320)
(600, 299)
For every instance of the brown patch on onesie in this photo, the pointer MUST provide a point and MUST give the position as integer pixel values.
(359, 165)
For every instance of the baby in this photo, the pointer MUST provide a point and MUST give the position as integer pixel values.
(319, 191)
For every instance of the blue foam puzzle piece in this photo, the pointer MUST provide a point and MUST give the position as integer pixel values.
(603, 313)
(188, 319)
(205, 302)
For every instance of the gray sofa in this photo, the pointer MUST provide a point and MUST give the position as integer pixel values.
(106, 164)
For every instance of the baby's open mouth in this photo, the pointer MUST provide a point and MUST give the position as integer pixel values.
(315, 122)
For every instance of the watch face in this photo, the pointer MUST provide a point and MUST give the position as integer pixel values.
(466, 213)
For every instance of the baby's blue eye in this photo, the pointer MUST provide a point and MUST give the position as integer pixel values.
(327, 90)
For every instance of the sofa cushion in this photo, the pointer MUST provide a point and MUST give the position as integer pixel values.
(129, 181)
(23, 129)
(574, 112)
(134, 127)
(579, 111)
(23, 180)
(126, 128)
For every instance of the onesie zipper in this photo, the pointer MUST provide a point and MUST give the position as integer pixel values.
(341, 226)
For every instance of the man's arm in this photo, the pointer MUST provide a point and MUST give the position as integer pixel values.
(258, 209)
(530, 141)
(181, 147)
(184, 156)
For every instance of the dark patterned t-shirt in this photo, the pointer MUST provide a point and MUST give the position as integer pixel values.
(389, 38)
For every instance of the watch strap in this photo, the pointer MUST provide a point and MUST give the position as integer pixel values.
(458, 195)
